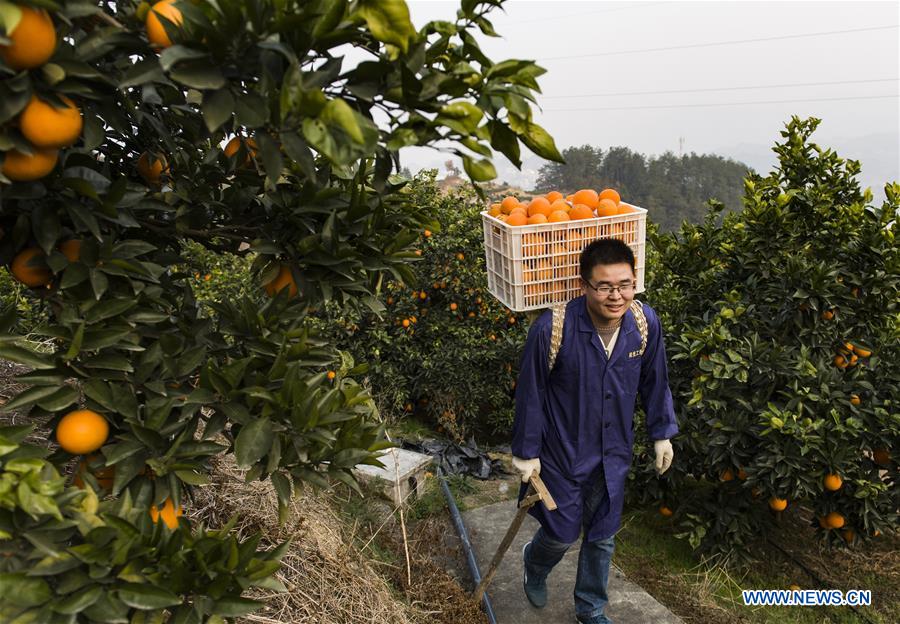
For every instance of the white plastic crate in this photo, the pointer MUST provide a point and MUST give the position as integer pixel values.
(534, 266)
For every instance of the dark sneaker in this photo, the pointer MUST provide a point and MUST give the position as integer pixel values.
(535, 591)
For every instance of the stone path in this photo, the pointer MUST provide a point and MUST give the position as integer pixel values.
(629, 604)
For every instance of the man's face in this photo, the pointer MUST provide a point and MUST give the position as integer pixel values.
(610, 307)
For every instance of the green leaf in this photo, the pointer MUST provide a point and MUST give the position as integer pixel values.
(199, 75)
(217, 108)
(338, 112)
(191, 477)
(479, 170)
(251, 110)
(46, 225)
(61, 399)
(75, 347)
(253, 442)
(170, 56)
(271, 156)
(27, 357)
(235, 606)
(147, 596)
(282, 487)
(389, 21)
(142, 72)
(29, 396)
(540, 142)
(78, 601)
(22, 591)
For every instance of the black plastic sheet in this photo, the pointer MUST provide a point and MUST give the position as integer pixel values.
(459, 459)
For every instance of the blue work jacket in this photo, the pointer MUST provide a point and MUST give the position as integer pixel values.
(577, 418)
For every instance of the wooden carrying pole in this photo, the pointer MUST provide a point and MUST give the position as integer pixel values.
(537, 491)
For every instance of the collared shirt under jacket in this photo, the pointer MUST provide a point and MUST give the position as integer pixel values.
(579, 415)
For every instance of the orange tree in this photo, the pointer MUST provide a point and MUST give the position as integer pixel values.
(127, 132)
(444, 349)
(785, 360)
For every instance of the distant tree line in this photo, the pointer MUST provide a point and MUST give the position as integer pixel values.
(672, 188)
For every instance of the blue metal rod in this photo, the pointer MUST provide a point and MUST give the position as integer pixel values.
(467, 545)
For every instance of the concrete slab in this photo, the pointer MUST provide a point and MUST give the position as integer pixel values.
(629, 604)
(402, 468)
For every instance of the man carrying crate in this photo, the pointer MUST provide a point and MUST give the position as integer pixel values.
(583, 365)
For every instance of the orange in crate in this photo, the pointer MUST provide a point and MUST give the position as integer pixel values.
(539, 205)
(533, 244)
(532, 266)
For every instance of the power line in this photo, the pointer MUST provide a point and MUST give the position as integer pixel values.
(633, 5)
(613, 108)
(718, 43)
(771, 86)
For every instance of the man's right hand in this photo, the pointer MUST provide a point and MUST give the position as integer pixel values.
(527, 467)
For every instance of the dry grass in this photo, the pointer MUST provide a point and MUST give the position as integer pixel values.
(327, 581)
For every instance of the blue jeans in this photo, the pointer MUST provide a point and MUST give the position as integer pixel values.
(593, 560)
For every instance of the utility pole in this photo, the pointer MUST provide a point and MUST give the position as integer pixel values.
(680, 147)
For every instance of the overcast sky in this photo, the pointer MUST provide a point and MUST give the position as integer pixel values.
(671, 76)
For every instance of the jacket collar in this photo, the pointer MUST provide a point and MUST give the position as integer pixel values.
(585, 324)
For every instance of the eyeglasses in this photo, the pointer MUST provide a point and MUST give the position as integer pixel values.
(605, 290)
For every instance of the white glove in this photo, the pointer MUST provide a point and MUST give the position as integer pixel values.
(527, 467)
(664, 455)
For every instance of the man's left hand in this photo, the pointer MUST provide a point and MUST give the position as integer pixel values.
(664, 455)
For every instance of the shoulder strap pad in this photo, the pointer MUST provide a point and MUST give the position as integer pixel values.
(558, 311)
(637, 309)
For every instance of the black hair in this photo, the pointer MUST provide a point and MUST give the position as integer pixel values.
(605, 251)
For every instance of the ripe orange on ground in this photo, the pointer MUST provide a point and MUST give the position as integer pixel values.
(581, 211)
(82, 431)
(588, 197)
(509, 202)
(156, 32)
(834, 520)
(539, 205)
(45, 125)
(552, 196)
(778, 504)
(32, 42)
(168, 513)
(71, 249)
(537, 218)
(607, 208)
(558, 216)
(21, 167)
(284, 279)
(610, 194)
(665, 511)
(833, 482)
(25, 268)
(517, 218)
